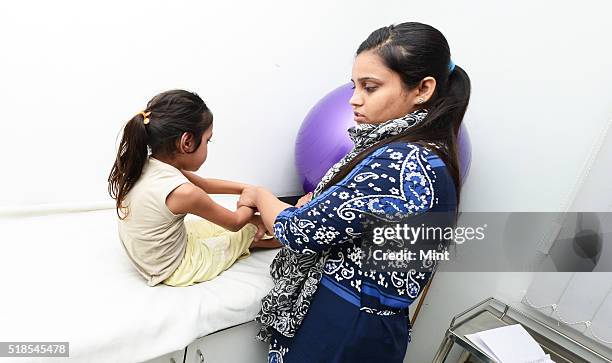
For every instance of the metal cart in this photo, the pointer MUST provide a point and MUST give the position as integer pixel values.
(492, 313)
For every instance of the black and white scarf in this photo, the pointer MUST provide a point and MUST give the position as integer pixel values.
(296, 276)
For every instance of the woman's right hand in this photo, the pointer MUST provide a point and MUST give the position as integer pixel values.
(304, 199)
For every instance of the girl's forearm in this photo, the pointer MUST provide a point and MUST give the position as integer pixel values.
(214, 186)
(218, 186)
(243, 216)
(269, 207)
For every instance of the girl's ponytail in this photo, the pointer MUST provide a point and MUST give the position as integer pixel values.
(131, 157)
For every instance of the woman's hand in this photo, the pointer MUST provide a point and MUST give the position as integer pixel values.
(304, 199)
(248, 198)
(266, 203)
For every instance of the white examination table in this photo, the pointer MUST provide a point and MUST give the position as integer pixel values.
(67, 278)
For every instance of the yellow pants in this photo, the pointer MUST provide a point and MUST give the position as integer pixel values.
(210, 250)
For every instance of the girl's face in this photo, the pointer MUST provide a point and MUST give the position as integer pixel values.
(202, 151)
(379, 93)
(192, 161)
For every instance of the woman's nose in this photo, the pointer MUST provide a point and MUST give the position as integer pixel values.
(356, 99)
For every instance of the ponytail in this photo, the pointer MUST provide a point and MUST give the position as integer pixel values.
(444, 120)
(130, 160)
(167, 116)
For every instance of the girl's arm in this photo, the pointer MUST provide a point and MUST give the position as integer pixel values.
(188, 198)
(215, 186)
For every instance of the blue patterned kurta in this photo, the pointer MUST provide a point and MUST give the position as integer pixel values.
(355, 315)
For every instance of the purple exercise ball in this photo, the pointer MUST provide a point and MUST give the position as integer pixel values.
(323, 138)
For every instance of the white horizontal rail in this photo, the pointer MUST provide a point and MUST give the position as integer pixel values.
(55, 208)
(226, 200)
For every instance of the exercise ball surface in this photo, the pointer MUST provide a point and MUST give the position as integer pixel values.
(323, 138)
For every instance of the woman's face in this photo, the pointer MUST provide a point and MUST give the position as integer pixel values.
(379, 93)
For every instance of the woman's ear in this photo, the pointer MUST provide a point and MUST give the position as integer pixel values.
(426, 89)
(186, 143)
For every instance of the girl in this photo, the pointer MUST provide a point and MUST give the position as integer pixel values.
(154, 193)
(408, 103)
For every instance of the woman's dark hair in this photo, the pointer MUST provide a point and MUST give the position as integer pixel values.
(415, 51)
(170, 114)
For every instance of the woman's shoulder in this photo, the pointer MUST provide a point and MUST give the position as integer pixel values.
(400, 160)
(401, 150)
(407, 173)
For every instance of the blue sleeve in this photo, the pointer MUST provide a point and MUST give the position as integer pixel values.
(394, 180)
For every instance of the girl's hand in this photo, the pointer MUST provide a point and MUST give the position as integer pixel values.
(261, 228)
(304, 199)
(248, 198)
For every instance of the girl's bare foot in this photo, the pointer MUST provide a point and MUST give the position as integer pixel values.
(266, 243)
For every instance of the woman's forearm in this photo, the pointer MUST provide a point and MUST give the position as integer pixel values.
(269, 207)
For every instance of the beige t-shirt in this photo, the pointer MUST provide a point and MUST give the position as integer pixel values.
(154, 237)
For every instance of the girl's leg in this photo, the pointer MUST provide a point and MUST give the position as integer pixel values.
(211, 249)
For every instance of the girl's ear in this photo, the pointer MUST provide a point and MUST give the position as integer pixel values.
(186, 143)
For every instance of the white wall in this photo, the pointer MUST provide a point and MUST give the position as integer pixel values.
(72, 72)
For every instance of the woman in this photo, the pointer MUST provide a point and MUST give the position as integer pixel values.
(409, 101)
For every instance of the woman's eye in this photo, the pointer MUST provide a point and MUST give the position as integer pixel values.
(370, 89)
(353, 86)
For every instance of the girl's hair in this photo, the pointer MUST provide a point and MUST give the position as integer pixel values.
(170, 114)
(415, 51)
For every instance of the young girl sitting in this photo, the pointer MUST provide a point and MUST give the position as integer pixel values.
(154, 193)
